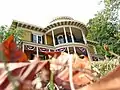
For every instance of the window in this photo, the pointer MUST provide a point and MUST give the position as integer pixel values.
(34, 38)
(69, 38)
(60, 39)
(37, 38)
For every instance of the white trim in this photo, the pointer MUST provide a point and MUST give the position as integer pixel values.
(45, 39)
(23, 47)
(37, 51)
(74, 50)
(68, 50)
(53, 38)
(89, 56)
(59, 21)
(64, 26)
(39, 45)
(37, 37)
(32, 31)
(66, 40)
(49, 50)
(71, 45)
(71, 34)
(83, 35)
(57, 46)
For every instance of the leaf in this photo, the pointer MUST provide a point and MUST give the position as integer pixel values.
(11, 52)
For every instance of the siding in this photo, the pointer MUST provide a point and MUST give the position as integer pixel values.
(27, 36)
(49, 40)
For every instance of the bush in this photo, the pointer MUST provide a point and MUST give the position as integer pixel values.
(103, 67)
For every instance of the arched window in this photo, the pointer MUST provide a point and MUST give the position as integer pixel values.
(60, 39)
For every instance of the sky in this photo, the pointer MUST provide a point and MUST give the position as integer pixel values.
(42, 12)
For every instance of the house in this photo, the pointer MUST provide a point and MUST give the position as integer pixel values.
(63, 34)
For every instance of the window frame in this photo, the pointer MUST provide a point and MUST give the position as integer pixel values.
(37, 38)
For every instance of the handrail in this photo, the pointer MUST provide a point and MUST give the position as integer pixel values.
(70, 44)
(56, 46)
(38, 45)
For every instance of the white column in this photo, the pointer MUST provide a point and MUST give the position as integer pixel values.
(89, 56)
(65, 35)
(45, 39)
(84, 39)
(68, 49)
(37, 51)
(49, 50)
(71, 34)
(23, 47)
(53, 38)
(74, 50)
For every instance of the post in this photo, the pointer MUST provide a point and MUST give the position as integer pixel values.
(65, 35)
(89, 56)
(53, 38)
(37, 52)
(49, 50)
(68, 50)
(23, 47)
(84, 37)
(74, 50)
(45, 39)
(71, 34)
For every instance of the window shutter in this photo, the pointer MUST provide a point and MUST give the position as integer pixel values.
(31, 37)
(43, 40)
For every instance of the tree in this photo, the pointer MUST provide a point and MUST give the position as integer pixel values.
(104, 27)
(5, 32)
(2, 33)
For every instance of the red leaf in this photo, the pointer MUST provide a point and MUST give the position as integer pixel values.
(11, 52)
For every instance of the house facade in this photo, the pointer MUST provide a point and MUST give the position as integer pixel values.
(63, 34)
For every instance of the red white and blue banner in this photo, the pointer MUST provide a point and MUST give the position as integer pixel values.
(43, 49)
(28, 47)
(83, 50)
(61, 49)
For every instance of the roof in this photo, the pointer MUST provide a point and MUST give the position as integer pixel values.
(60, 21)
(67, 22)
(16, 23)
(61, 18)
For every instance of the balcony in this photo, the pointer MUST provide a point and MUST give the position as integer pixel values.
(31, 48)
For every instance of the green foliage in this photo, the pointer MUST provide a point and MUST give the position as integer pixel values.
(5, 32)
(104, 67)
(104, 27)
(2, 33)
